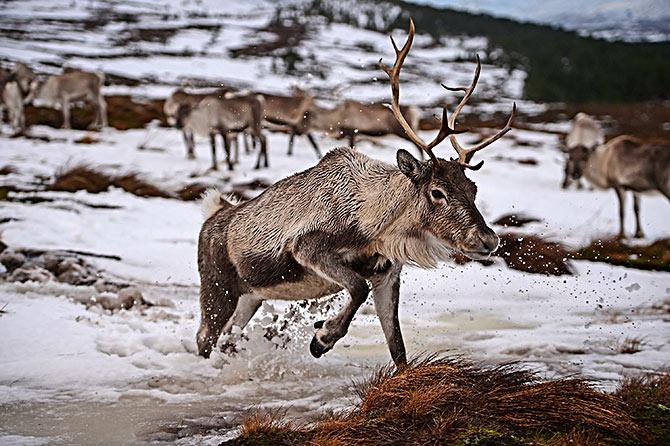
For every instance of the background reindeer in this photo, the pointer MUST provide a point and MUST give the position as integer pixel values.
(351, 118)
(293, 112)
(180, 97)
(14, 87)
(63, 90)
(350, 222)
(227, 117)
(625, 164)
(584, 132)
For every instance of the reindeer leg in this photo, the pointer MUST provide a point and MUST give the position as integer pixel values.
(246, 307)
(636, 208)
(352, 139)
(621, 195)
(102, 109)
(310, 253)
(262, 153)
(247, 146)
(226, 148)
(312, 141)
(66, 114)
(212, 141)
(217, 305)
(567, 172)
(190, 144)
(386, 294)
(290, 143)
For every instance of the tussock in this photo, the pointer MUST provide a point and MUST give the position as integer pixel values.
(531, 254)
(453, 401)
(654, 256)
(84, 177)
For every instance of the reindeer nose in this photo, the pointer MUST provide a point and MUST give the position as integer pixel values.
(490, 240)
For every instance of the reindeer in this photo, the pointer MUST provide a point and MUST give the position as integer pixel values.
(584, 132)
(293, 112)
(351, 118)
(75, 85)
(14, 86)
(178, 98)
(349, 223)
(625, 164)
(227, 116)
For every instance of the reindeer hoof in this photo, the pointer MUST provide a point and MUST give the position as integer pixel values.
(319, 324)
(316, 348)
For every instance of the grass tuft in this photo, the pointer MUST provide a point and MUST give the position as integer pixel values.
(453, 401)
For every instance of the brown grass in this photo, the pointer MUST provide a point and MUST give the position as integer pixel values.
(123, 112)
(84, 177)
(7, 170)
(515, 220)
(655, 256)
(455, 402)
(532, 254)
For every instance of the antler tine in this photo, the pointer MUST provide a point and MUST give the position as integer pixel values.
(465, 155)
(394, 77)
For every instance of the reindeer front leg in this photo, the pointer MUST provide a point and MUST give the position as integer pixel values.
(312, 251)
(386, 294)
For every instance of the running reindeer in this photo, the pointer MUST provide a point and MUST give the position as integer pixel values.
(625, 164)
(350, 222)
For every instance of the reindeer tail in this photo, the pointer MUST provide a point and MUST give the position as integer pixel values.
(213, 200)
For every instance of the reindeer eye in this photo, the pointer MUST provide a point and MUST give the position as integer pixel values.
(437, 194)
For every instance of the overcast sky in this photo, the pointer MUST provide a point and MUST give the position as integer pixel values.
(549, 10)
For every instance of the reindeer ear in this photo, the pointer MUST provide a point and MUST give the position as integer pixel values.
(410, 166)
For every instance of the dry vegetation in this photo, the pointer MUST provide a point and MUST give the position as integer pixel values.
(455, 402)
(528, 253)
(84, 177)
(655, 256)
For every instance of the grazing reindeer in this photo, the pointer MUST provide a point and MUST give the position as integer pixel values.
(351, 118)
(625, 164)
(63, 90)
(293, 112)
(227, 116)
(178, 98)
(350, 222)
(584, 132)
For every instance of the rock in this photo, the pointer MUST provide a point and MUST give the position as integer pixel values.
(128, 297)
(12, 259)
(30, 273)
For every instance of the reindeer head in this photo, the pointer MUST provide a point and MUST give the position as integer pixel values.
(446, 194)
(578, 156)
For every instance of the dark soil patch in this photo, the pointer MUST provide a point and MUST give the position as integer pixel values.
(285, 36)
(529, 254)
(455, 402)
(655, 256)
(515, 220)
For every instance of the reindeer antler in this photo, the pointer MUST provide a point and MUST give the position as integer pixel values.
(447, 125)
(465, 155)
(394, 77)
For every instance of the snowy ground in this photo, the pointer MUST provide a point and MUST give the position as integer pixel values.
(72, 375)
